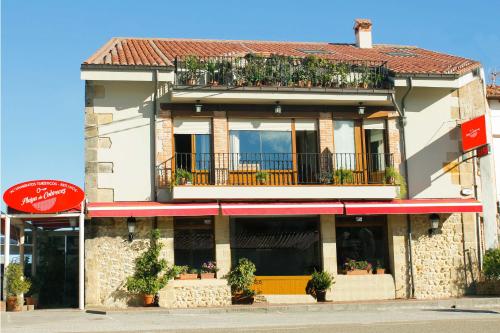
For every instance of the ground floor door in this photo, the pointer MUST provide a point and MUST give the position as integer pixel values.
(285, 250)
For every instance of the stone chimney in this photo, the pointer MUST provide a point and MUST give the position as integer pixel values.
(363, 32)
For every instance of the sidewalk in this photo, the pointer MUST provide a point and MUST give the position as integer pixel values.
(464, 302)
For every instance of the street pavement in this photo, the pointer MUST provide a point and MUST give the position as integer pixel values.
(483, 320)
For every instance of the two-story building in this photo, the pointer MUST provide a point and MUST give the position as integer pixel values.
(298, 156)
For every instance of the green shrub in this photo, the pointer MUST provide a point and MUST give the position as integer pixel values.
(183, 173)
(343, 176)
(392, 175)
(17, 284)
(491, 264)
(151, 273)
(261, 176)
(242, 277)
(321, 280)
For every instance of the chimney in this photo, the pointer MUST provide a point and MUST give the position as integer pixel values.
(363, 32)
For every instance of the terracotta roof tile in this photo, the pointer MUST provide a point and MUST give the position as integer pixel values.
(162, 52)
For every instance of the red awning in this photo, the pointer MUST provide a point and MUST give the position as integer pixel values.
(282, 208)
(416, 206)
(150, 209)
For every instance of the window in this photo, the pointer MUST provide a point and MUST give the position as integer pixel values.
(193, 241)
(277, 246)
(345, 146)
(268, 150)
(375, 143)
(360, 241)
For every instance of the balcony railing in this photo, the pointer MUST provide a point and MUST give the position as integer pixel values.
(280, 71)
(276, 169)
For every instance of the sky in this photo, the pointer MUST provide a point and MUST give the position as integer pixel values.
(43, 44)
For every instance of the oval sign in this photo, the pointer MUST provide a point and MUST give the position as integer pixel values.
(43, 196)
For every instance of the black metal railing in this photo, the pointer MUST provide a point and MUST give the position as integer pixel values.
(276, 169)
(278, 70)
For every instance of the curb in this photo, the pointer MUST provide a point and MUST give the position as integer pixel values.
(456, 303)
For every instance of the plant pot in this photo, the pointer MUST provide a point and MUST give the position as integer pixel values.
(261, 181)
(380, 270)
(214, 83)
(321, 295)
(148, 300)
(309, 84)
(13, 305)
(242, 299)
(191, 82)
(207, 275)
(301, 84)
(29, 300)
(182, 181)
(188, 276)
(357, 272)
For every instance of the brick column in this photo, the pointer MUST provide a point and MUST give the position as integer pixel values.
(222, 245)
(221, 147)
(326, 132)
(164, 147)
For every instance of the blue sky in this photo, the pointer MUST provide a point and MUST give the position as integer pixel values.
(44, 43)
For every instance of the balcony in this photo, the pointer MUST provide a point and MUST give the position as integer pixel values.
(280, 71)
(278, 175)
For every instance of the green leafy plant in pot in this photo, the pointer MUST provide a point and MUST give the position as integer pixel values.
(151, 273)
(193, 68)
(240, 279)
(320, 283)
(392, 176)
(17, 285)
(183, 177)
(343, 176)
(261, 177)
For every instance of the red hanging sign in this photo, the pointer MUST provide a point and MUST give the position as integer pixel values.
(43, 196)
(474, 133)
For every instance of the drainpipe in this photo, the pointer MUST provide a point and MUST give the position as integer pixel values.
(153, 136)
(402, 117)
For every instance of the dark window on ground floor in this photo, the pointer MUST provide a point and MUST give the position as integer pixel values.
(277, 245)
(364, 240)
(193, 241)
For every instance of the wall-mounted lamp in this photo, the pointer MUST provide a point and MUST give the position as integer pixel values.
(72, 223)
(359, 219)
(131, 228)
(434, 224)
(361, 109)
(198, 106)
(277, 108)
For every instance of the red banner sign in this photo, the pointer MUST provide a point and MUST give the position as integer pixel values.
(474, 133)
(43, 196)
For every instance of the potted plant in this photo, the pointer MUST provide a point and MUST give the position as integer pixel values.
(17, 285)
(354, 267)
(183, 177)
(320, 283)
(32, 295)
(379, 269)
(186, 273)
(261, 177)
(240, 279)
(343, 176)
(193, 67)
(392, 176)
(149, 276)
(325, 177)
(208, 270)
(211, 67)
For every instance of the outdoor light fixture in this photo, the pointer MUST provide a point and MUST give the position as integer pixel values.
(131, 228)
(72, 223)
(359, 218)
(197, 106)
(361, 109)
(277, 108)
(434, 221)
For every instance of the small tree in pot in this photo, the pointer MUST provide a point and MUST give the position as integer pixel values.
(240, 279)
(17, 285)
(149, 276)
(320, 283)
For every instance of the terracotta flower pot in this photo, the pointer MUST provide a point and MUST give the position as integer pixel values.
(242, 299)
(321, 295)
(148, 300)
(13, 305)
(207, 275)
(380, 270)
(188, 276)
(29, 300)
(357, 272)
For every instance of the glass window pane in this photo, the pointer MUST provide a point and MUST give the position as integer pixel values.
(193, 241)
(345, 148)
(277, 149)
(202, 144)
(376, 148)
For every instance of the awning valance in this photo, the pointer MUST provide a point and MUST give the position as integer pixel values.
(281, 208)
(150, 209)
(416, 206)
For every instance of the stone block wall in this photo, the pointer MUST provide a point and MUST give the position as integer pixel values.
(195, 293)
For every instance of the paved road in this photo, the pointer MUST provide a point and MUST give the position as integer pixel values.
(412, 320)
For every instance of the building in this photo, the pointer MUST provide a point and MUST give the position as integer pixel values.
(289, 154)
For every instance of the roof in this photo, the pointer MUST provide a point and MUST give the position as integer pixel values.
(160, 52)
(493, 91)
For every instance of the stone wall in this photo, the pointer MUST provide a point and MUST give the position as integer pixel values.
(109, 258)
(195, 293)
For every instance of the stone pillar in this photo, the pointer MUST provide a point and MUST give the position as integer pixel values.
(221, 147)
(21, 244)
(326, 132)
(166, 227)
(222, 245)
(396, 234)
(328, 243)
(34, 253)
